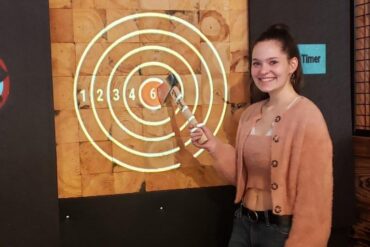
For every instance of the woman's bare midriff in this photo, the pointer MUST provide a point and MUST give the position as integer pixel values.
(257, 199)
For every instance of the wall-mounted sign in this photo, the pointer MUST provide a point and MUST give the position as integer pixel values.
(4, 83)
(313, 58)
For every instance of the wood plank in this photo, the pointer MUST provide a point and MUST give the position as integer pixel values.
(87, 23)
(59, 4)
(66, 126)
(98, 184)
(361, 146)
(62, 96)
(214, 5)
(184, 4)
(215, 25)
(123, 4)
(238, 5)
(68, 168)
(154, 5)
(128, 157)
(92, 162)
(122, 29)
(63, 59)
(128, 182)
(85, 4)
(361, 229)
(128, 122)
(61, 25)
(92, 125)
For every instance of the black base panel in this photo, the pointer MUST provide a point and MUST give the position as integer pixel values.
(191, 217)
(182, 218)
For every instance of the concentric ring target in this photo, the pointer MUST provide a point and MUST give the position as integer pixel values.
(143, 87)
(176, 36)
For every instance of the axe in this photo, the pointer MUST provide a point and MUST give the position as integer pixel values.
(170, 88)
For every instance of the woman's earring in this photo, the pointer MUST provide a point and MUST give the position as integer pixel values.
(293, 79)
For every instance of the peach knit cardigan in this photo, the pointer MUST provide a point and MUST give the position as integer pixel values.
(301, 169)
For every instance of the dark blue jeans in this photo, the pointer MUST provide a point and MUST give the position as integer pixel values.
(251, 234)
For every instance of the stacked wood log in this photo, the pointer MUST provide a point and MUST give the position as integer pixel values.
(361, 150)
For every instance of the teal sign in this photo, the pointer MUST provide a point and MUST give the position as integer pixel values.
(313, 58)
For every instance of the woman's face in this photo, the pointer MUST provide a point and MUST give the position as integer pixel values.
(271, 69)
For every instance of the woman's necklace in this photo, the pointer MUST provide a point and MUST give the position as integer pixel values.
(270, 115)
(280, 110)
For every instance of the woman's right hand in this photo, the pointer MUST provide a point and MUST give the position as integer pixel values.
(196, 134)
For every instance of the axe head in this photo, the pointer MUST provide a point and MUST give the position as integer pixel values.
(163, 91)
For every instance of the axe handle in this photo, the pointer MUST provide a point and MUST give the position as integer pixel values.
(178, 98)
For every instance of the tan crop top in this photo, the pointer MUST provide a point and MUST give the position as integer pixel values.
(256, 157)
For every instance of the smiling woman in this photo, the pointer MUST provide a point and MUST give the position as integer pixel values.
(281, 50)
(283, 155)
(271, 69)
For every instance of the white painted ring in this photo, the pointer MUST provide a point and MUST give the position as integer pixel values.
(110, 26)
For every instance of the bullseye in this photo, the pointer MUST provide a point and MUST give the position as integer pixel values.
(148, 93)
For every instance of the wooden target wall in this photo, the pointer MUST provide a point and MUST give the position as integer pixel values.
(82, 169)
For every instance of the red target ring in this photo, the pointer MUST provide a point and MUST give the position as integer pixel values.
(4, 83)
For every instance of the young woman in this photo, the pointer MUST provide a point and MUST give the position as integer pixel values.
(282, 162)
